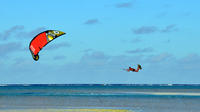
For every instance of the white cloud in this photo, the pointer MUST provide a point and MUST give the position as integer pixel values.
(98, 67)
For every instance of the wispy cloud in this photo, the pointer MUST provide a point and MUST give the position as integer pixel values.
(186, 14)
(169, 28)
(162, 15)
(190, 58)
(58, 45)
(87, 50)
(91, 21)
(61, 57)
(167, 41)
(136, 40)
(11, 47)
(167, 6)
(95, 55)
(159, 58)
(154, 29)
(139, 50)
(124, 5)
(7, 33)
(95, 58)
(29, 34)
(19, 32)
(145, 30)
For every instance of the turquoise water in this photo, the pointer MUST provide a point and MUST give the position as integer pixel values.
(139, 98)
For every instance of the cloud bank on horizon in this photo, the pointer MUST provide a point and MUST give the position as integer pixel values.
(103, 38)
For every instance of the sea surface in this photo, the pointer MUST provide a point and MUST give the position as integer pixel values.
(130, 97)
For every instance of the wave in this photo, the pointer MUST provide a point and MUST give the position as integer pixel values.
(99, 84)
(69, 110)
(124, 94)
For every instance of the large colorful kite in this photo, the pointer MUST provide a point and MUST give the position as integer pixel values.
(42, 39)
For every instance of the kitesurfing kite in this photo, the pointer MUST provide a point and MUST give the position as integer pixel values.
(134, 70)
(42, 39)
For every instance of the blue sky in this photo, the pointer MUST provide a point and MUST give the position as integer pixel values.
(102, 38)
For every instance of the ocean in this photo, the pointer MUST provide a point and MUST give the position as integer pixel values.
(99, 98)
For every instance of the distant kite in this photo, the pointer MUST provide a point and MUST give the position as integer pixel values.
(42, 39)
